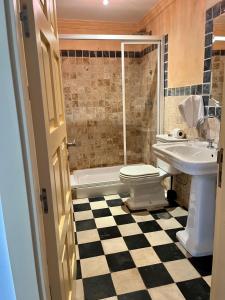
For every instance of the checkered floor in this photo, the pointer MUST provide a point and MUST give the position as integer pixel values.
(123, 255)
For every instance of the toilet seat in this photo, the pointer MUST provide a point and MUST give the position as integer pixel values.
(138, 172)
(146, 190)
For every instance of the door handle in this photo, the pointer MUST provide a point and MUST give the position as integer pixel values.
(220, 163)
(71, 144)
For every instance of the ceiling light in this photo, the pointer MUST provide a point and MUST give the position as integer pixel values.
(105, 2)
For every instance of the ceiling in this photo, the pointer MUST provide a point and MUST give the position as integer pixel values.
(115, 11)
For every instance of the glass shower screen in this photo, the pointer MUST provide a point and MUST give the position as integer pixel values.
(140, 91)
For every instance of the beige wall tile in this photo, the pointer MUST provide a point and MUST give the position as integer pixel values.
(93, 102)
(218, 72)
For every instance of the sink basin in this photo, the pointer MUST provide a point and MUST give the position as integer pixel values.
(194, 158)
(190, 158)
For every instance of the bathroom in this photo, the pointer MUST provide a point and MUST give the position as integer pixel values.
(121, 94)
(115, 137)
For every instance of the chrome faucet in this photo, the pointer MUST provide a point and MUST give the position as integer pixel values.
(210, 143)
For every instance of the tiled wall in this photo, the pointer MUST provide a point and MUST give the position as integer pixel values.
(218, 67)
(92, 89)
(93, 100)
(211, 13)
(149, 67)
(173, 96)
(141, 107)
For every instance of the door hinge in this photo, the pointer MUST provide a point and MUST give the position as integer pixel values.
(44, 200)
(25, 21)
(220, 169)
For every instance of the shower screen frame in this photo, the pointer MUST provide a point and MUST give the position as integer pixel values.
(138, 40)
(160, 87)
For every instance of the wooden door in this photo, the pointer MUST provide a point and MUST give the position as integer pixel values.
(218, 274)
(47, 104)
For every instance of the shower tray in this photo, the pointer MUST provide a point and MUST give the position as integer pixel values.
(96, 182)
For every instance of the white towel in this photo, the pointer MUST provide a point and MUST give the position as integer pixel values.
(192, 110)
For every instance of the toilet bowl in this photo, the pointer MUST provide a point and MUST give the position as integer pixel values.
(144, 182)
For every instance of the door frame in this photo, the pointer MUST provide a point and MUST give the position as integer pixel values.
(19, 184)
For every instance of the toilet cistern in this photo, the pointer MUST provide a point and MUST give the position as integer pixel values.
(145, 181)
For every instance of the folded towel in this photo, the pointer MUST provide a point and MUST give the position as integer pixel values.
(192, 110)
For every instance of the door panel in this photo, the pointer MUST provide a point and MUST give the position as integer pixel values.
(47, 83)
(58, 88)
(71, 252)
(47, 104)
(58, 193)
(66, 271)
(43, 4)
(52, 15)
(65, 174)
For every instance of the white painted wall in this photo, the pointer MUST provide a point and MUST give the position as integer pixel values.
(210, 3)
(7, 290)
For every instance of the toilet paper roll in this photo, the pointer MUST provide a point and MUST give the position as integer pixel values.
(178, 133)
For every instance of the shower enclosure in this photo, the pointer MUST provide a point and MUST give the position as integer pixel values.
(112, 97)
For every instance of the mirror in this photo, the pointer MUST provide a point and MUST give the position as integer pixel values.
(218, 61)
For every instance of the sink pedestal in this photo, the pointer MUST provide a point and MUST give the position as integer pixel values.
(197, 238)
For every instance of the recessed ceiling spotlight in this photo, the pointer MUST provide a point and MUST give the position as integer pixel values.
(105, 2)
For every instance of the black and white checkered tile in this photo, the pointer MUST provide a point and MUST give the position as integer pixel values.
(135, 255)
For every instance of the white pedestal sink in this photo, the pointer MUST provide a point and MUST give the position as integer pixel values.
(197, 160)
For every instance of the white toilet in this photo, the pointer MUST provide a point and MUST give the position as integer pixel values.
(145, 181)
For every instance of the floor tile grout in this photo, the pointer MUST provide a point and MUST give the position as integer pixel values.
(112, 257)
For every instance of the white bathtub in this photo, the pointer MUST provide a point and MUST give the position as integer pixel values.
(97, 181)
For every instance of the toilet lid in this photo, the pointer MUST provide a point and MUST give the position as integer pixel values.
(139, 171)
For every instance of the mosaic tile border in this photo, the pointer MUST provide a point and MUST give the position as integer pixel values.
(200, 89)
(218, 53)
(213, 12)
(203, 89)
(110, 54)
